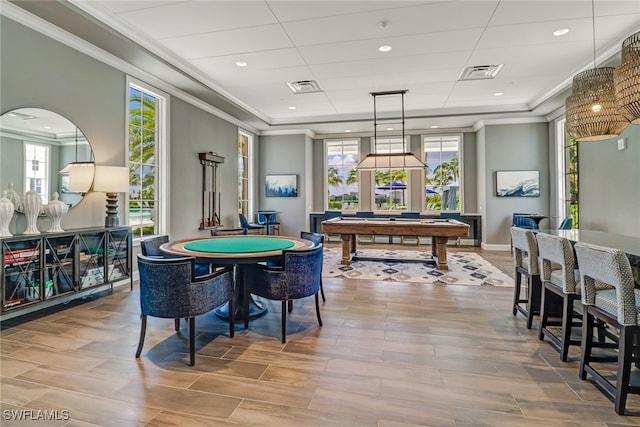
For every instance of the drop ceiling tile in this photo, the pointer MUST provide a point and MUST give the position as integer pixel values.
(266, 37)
(302, 10)
(118, 6)
(197, 17)
(425, 18)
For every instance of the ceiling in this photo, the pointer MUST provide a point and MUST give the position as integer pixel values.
(195, 46)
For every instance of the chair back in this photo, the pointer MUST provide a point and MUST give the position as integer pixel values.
(168, 288)
(243, 220)
(558, 250)
(523, 222)
(302, 272)
(412, 215)
(151, 247)
(332, 214)
(229, 231)
(611, 267)
(451, 215)
(316, 238)
(525, 253)
(566, 224)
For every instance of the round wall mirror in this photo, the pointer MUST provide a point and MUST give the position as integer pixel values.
(43, 151)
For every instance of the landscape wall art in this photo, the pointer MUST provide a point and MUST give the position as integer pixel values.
(518, 183)
(281, 186)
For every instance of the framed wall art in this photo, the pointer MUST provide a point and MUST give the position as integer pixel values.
(518, 183)
(281, 186)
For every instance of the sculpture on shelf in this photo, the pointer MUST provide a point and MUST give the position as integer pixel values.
(13, 197)
(6, 213)
(32, 205)
(55, 210)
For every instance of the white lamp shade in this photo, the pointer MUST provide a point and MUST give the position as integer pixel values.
(80, 176)
(390, 161)
(111, 179)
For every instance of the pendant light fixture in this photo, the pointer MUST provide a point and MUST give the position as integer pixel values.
(80, 173)
(375, 160)
(592, 114)
(626, 79)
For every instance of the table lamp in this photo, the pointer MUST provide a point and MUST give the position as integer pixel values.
(111, 180)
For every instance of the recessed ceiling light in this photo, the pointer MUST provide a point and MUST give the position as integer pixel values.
(347, 130)
(389, 128)
(385, 48)
(498, 94)
(47, 127)
(241, 63)
(560, 32)
(434, 127)
(292, 108)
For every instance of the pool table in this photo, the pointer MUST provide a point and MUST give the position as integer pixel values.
(438, 229)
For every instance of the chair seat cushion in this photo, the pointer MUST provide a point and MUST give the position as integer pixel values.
(606, 301)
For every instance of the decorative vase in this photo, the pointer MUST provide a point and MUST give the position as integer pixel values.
(13, 197)
(31, 206)
(55, 210)
(6, 213)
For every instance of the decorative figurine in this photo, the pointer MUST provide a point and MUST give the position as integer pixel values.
(55, 210)
(13, 197)
(6, 213)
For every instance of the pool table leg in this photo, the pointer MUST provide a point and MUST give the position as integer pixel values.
(439, 250)
(346, 246)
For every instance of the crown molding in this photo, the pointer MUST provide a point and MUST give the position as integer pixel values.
(50, 30)
(509, 121)
(305, 132)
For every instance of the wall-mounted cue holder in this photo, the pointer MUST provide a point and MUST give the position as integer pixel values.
(210, 189)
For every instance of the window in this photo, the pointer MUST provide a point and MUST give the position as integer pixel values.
(567, 174)
(341, 176)
(390, 188)
(36, 170)
(147, 180)
(245, 160)
(442, 175)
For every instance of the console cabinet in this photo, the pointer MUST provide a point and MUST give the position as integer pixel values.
(42, 270)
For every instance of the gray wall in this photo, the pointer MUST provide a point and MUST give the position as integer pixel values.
(284, 155)
(513, 147)
(609, 184)
(40, 72)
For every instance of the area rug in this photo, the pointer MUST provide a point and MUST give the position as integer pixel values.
(465, 268)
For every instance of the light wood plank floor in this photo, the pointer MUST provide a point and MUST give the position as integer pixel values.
(389, 355)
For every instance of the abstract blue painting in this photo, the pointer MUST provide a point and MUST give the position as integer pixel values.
(281, 186)
(518, 183)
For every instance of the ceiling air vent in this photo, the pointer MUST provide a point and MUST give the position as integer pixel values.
(480, 72)
(304, 86)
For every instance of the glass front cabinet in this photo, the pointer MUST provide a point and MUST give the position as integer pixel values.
(49, 268)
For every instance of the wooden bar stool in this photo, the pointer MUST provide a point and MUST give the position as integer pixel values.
(525, 259)
(618, 306)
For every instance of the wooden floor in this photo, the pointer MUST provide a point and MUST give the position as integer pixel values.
(389, 355)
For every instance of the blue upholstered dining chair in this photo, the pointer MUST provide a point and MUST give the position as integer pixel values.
(330, 215)
(269, 220)
(566, 224)
(169, 289)
(150, 247)
(523, 222)
(299, 277)
(244, 223)
(318, 240)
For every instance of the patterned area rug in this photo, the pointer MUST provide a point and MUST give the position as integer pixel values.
(465, 268)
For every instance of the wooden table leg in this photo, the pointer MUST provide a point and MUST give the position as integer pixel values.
(346, 243)
(440, 252)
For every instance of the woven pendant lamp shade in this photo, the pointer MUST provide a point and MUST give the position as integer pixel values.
(626, 80)
(586, 123)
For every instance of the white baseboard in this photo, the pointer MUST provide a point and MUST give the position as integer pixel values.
(496, 247)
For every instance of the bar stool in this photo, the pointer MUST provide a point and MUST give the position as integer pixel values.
(525, 259)
(617, 306)
(559, 278)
